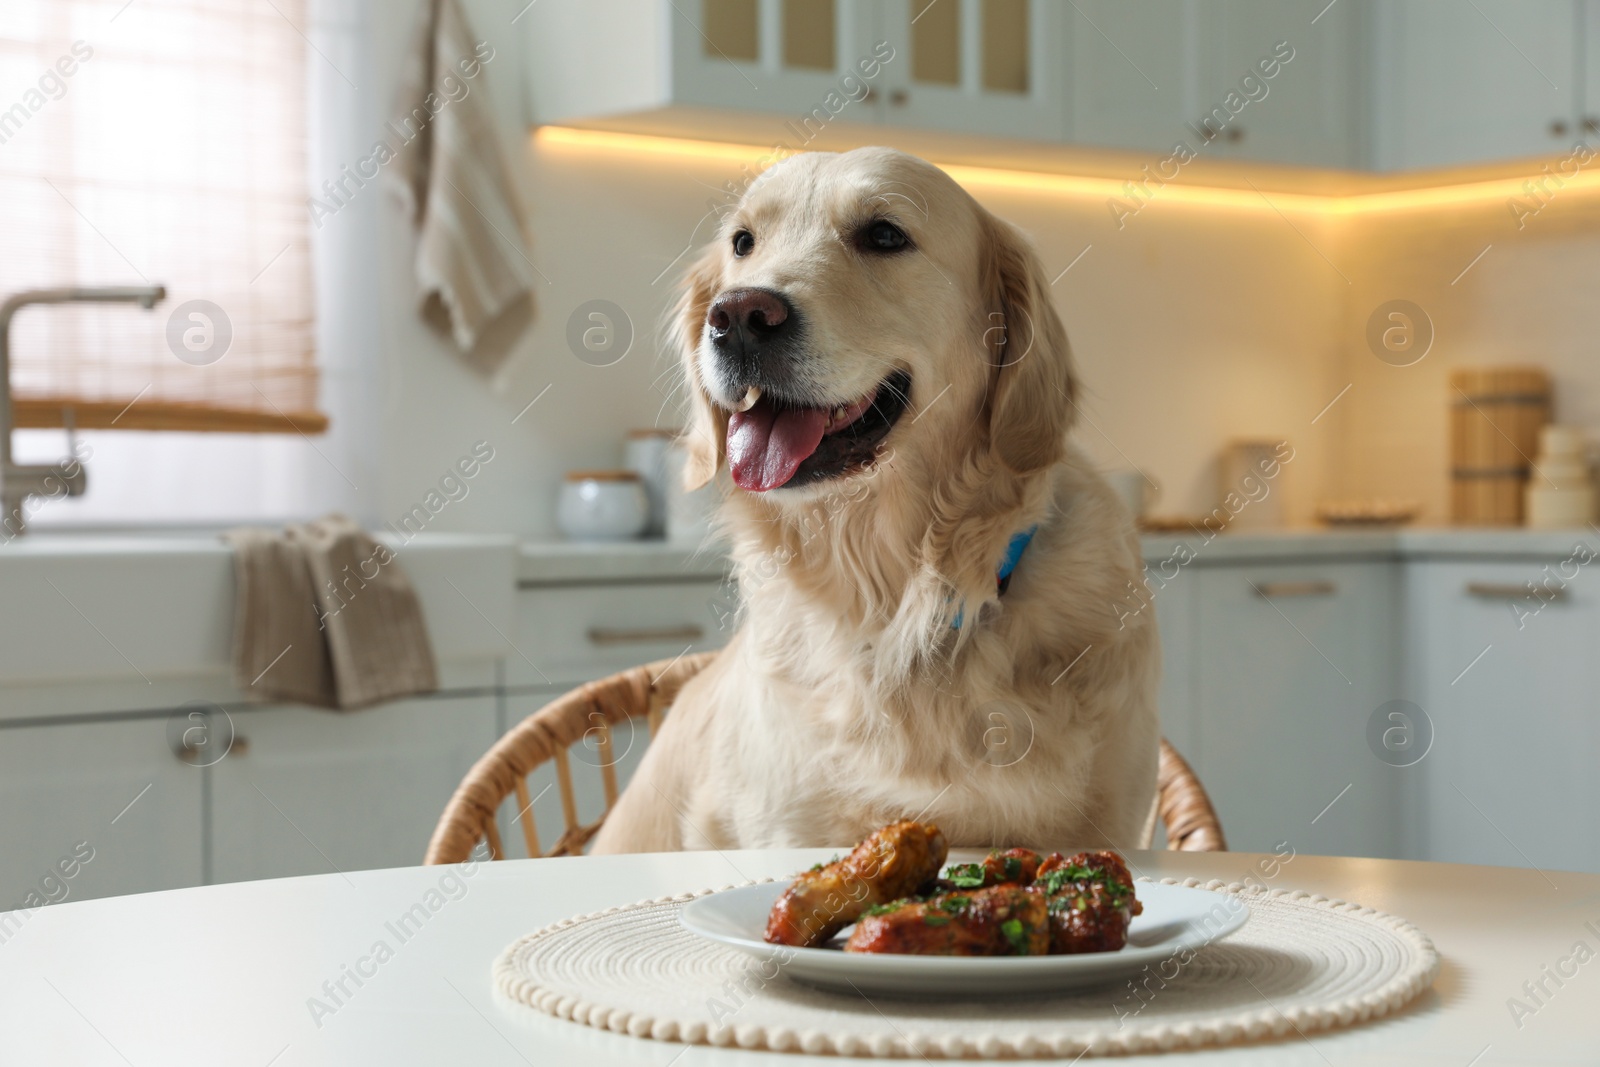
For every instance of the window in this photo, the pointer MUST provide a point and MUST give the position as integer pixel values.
(161, 142)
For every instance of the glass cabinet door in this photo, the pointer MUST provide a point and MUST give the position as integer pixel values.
(991, 66)
(807, 63)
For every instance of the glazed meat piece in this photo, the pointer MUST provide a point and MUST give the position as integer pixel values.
(897, 861)
(1014, 866)
(1001, 920)
(1091, 901)
(1110, 864)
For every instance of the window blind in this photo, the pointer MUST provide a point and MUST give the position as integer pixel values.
(159, 142)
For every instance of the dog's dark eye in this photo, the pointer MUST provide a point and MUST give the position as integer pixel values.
(883, 236)
(743, 243)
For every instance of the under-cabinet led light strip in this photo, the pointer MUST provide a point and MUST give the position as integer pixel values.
(1467, 192)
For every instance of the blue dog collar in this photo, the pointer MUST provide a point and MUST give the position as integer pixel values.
(1002, 578)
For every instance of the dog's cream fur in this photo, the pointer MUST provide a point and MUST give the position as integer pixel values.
(846, 699)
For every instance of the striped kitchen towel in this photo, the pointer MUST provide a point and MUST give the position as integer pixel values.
(473, 271)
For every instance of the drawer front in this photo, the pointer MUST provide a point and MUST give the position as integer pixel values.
(577, 633)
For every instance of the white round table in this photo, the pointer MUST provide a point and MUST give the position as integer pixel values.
(289, 973)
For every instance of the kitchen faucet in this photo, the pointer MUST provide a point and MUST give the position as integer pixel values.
(19, 483)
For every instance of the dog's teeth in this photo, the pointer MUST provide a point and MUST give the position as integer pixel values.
(838, 413)
(751, 395)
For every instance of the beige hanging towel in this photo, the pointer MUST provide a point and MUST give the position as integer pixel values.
(324, 615)
(473, 270)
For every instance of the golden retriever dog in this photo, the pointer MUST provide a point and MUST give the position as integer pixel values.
(874, 359)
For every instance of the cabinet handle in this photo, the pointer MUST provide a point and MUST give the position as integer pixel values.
(1502, 591)
(1558, 128)
(687, 632)
(898, 97)
(1235, 134)
(1270, 590)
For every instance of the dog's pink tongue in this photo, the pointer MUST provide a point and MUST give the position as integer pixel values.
(766, 447)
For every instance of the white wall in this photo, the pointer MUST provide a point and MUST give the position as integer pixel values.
(1529, 299)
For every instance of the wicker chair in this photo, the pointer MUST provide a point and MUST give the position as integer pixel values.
(645, 692)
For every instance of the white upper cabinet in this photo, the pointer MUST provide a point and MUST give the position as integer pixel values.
(1135, 72)
(976, 66)
(1350, 84)
(1279, 81)
(806, 60)
(1463, 82)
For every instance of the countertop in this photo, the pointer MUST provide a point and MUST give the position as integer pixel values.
(229, 973)
(565, 563)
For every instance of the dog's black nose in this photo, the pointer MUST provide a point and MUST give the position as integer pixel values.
(743, 319)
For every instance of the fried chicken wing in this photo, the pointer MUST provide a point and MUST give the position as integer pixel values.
(1012, 903)
(1091, 901)
(1014, 866)
(897, 861)
(1001, 920)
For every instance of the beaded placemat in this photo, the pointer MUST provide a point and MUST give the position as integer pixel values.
(1302, 963)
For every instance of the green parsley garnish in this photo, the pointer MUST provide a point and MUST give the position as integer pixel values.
(1069, 877)
(885, 909)
(930, 919)
(1013, 868)
(1012, 928)
(955, 904)
(965, 875)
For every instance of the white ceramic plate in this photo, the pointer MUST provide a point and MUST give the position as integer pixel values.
(1175, 918)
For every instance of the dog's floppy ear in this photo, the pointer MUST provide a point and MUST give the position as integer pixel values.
(1033, 390)
(705, 437)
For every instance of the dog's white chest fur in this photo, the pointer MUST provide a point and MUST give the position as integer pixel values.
(983, 745)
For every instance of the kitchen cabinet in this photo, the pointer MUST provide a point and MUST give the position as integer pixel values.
(1293, 659)
(106, 801)
(304, 791)
(990, 66)
(1276, 87)
(1271, 697)
(1379, 85)
(1495, 79)
(783, 55)
(569, 634)
(1505, 666)
(803, 62)
(1134, 73)
(1176, 603)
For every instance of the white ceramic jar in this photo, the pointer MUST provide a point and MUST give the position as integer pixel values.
(689, 513)
(602, 506)
(647, 457)
(1560, 492)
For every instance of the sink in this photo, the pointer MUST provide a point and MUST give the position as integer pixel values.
(156, 607)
